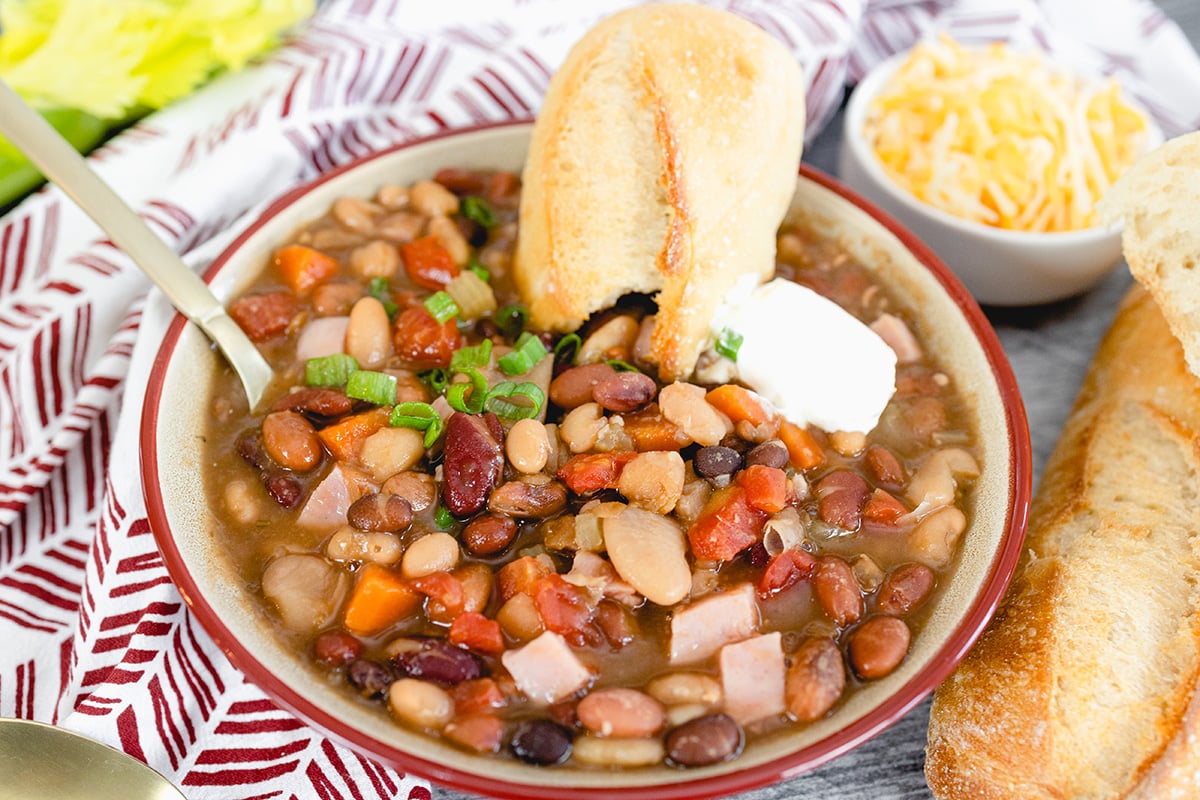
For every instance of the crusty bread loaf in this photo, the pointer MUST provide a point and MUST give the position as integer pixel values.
(1158, 199)
(1080, 687)
(663, 160)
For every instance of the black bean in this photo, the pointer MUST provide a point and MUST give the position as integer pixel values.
(705, 740)
(768, 454)
(371, 678)
(438, 661)
(540, 741)
(717, 460)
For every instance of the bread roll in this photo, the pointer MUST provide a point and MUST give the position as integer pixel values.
(1081, 686)
(663, 160)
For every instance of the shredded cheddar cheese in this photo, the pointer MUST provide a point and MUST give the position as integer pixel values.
(1001, 137)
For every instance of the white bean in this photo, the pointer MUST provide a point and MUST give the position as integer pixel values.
(420, 703)
(369, 333)
(433, 199)
(391, 450)
(685, 406)
(433, 552)
(527, 446)
(618, 752)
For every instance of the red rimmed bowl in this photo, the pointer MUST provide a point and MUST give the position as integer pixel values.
(177, 500)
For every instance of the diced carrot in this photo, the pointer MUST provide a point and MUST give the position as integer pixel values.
(883, 507)
(766, 487)
(428, 263)
(740, 404)
(649, 430)
(344, 438)
(785, 569)
(803, 450)
(520, 576)
(302, 267)
(380, 598)
(590, 472)
(566, 609)
(727, 525)
(475, 696)
(475, 631)
(443, 588)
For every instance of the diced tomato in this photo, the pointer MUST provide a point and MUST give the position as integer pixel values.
(478, 695)
(591, 472)
(443, 588)
(785, 569)
(302, 267)
(428, 264)
(766, 487)
(520, 576)
(264, 316)
(380, 598)
(740, 404)
(344, 438)
(424, 342)
(565, 609)
(475, 631)
(803, 450)
(727, 525)
(883, 507)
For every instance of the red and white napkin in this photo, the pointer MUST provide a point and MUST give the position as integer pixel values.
(96, 637)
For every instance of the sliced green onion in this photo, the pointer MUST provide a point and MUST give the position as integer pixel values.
(441, 306)
(528, 351)
(477, 209)
(511, 320)
(728, 343)
(479, 269)
(374, 387)
(381, 291)
(477, 387)
(466, 357)
(444, 519)
(436, 379)
(419, 416)
(621, 366)
(566, 347)
(329, 370)
(498, 403)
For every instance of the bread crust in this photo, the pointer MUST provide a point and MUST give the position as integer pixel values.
(1084, 679)
(663, 160)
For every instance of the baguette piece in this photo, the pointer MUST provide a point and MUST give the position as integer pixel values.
(663, 160)
(1084, 678)
(1157, 199)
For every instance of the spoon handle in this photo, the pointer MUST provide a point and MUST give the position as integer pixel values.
(59, 162)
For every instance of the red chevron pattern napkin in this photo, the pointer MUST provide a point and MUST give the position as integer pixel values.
(96, 638)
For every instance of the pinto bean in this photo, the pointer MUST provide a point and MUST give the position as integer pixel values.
(624, 391)
(815, 680)
(878, 646)
(905, 589)
(574, 387)
(380, 512)
(883, 466)
(837, 590)
(705, 740)
(621, 712)
(529, 499)
(418, 488)
(488, 534)
(472, 463)
(291, 441)
(841, 496)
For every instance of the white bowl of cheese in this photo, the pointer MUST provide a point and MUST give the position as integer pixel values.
(995, 159)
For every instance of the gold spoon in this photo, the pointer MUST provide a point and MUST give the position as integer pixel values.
(39, 761)
(59, 162)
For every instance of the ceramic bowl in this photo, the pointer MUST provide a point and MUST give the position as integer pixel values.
(1000, 267)
(181, 519)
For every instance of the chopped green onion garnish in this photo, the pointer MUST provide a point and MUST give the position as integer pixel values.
(528, 351)
(476, 208)
(567, 347)
(329, 370)
(444, 519)
(511, 320)
(479, 269)
(420, 416)
(498, 403)
(728, 343)
(466, 357)
(621, 366)
(374, 387)
(435, 378)
(381, 291)
(468, 396)
(441, 306)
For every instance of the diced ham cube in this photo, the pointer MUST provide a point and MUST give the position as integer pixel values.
(702, 628)
(752, 677)
(892, 330)
(546, 670)
(326, 507)
(324, 336)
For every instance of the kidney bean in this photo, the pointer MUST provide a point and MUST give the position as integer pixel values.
(815, 680)
(837, 591)
(621, 712)
(435, 660)
(316, 401)
(884, 466)
(286, 490)
(380, 512)
(291, 441)
(705, 740)
(371, 678)
(624, 391)
(488, 534)
(768, 454)
(906, 588)
(574, 387)
(716, 460)
(841, 496)
(472, 463)
(529, 500)
(878, 646)
(336, 648)
(540, 741)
